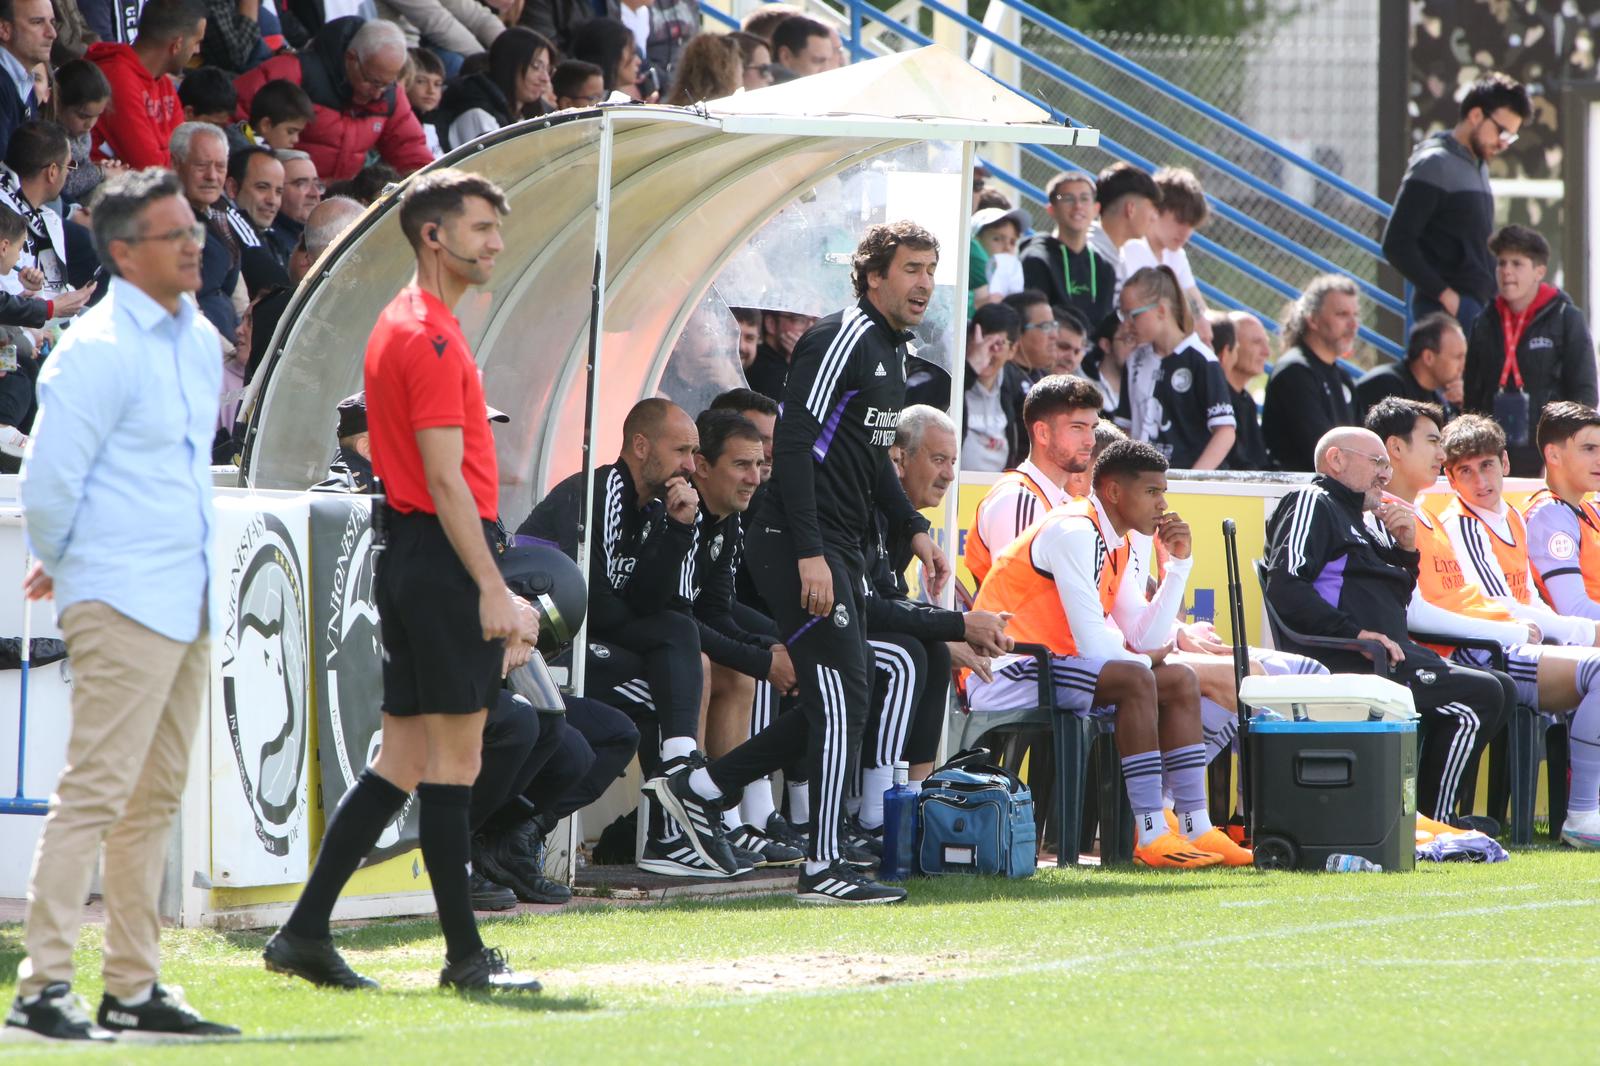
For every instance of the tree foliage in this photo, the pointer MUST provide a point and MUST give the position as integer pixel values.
(1188, 18)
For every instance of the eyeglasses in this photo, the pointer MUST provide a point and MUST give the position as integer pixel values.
(376, 84)
(1047, 326)
(1083, 199)
(1507, 137)
(195, 233)
(1129, 316)
(1382, 463)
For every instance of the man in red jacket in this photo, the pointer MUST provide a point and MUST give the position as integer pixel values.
(349, 70)
(144, 108)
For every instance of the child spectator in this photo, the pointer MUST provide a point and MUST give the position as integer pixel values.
(1194, 425)
(82, 93)
(577, 84)
(992, 415)
(995, 271)
(423, 79)
(1182, 210)
(279, 112)
(207, 96)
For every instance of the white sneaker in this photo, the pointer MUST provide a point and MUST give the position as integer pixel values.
(1582, 831)
(12, 441)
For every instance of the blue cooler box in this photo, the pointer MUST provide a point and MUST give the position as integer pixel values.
(1326, 788)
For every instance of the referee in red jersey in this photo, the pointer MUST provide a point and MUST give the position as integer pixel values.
(444, 609)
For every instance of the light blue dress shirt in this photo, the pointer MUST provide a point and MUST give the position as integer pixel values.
(20, 75)
(116, 485)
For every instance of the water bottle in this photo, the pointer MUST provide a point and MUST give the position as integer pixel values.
(899, 826)
(1351, 864)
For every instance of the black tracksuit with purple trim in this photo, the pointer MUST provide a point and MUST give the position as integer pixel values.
(831, 472)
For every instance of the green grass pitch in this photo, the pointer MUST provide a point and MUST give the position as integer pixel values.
(1480, 964)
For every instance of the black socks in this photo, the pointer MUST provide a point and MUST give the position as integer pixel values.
(355, 827)
(446, 831)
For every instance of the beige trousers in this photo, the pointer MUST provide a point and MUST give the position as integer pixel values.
(136, 703)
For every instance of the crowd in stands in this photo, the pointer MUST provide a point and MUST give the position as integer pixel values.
(267, 108)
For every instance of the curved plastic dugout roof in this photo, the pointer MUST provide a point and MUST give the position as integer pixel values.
(686, 188)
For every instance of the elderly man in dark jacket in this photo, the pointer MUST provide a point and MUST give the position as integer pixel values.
(1328, 567)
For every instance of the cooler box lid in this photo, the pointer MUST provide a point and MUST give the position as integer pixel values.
(1302, 728)
(1329, 697)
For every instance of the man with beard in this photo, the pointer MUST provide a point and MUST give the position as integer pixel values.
(780, 331)
(254, 189)
(1059, 415)
(1331, 575)
(1309, 393)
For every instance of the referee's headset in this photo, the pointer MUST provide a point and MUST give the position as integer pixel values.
(436, 239)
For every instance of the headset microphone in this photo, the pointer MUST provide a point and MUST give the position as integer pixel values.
(451, 251)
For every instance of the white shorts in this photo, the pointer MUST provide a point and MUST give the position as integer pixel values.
(1016, 684)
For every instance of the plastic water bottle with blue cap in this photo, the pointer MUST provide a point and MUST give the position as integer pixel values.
(1351, 864)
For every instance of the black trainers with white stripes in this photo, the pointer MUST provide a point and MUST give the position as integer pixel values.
(700, 818)
(778, 828)
(676, 858)
(840, 883)
(768, 852)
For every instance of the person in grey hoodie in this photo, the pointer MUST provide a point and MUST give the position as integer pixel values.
(1438, 233)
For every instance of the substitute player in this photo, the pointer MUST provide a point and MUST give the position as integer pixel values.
(1563, 526)
(444, 608)
(1066, 583)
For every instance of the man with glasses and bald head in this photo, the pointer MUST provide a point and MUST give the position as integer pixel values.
(1331, 574)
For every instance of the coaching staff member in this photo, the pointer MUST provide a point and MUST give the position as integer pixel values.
(116, 494)
(807, 552)
(445, 611)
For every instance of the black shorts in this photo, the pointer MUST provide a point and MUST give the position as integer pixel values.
(435, 660)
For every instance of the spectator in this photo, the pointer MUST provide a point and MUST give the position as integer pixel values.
(994, 271)
(232, 40)
(1072, 340)
(756, 54)
(1064, 265)
(609, 45)
(455, 30)
(765, 18)
(44, 90)
(82, 94)
(1182, 211)
(992, 436)
(769, 370)
(144, 109)
(200, 156)
(424, 85)
(1129, 200)
(514, 88)
(802, 46)
(1331, 575)
(255, 190)
(27, 29)
(558, 21)
(577, 84)
(662, 30)
(1431, 373)
(327, 220)
(1309, 393)
(710, 69)
(279, 114)
(1035, 352)
(349, 70)
(207, 96)
(1243, 350)
(1551, 351)
(366, 186)
(749, 320)
(1437, 236)
(302, 191)
(1195, 424)
(35, 171)
(1107, 361)
(72, 33)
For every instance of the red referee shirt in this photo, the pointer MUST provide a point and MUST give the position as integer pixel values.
(421, 375)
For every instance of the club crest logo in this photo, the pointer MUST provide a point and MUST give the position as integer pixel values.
(264, 654)
(841, 617)
(1562, 546)
(1182, 379)
(716, 547)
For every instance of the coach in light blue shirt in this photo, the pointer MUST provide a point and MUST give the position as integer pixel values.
(117, 485)
(116, 496)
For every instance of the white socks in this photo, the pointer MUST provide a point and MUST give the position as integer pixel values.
(1152, 824)
(1195, 824)
(676, 748)
(799, 801)
(704, 787)
(875, 781)
(755, 807)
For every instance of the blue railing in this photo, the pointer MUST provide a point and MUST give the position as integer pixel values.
(861, 12)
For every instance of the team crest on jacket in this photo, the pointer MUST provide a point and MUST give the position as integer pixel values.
(600, 651)
(841, 617)
(1426, 677)
(716, 547)
(1182, 379)
(1562, 546)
